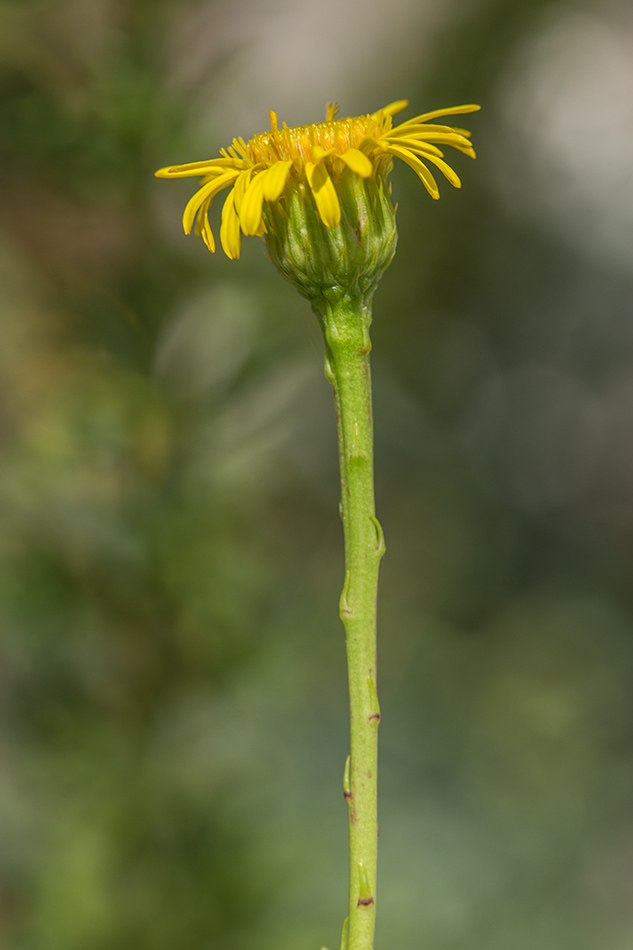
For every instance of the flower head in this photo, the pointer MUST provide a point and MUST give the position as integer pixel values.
(318, 193)
(259, 170)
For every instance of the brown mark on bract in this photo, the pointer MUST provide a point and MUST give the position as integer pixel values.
(365, 901)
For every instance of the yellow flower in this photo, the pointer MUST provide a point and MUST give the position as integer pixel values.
(268, 166)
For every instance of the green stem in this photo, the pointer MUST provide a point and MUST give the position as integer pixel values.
(345, 323)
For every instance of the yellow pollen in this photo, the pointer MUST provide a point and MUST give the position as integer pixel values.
(339, 134)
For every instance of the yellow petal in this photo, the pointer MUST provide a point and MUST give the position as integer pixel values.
(368, 144)
(240, 188)
(318, 153)
(409, 130)
(421, 170)
(455, 110)
(393, 108)
(251, 207)
(415, 145)
(443, 138)
(470, 151)
(446, 170)
(324, 194)
(203, 228)
(207, 234)
(358, 162)
(275, 180)
(215, 166)
(207, 191)
(202, 216)
(230, 228)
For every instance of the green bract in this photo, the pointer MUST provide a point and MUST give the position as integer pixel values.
(347, 259)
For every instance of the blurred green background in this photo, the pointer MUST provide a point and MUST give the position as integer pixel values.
(173, 700)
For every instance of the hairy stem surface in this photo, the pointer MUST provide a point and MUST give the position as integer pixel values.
(345, 323)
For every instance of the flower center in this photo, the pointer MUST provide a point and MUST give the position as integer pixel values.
(286, 144)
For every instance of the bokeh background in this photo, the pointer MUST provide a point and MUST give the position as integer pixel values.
(173, 705)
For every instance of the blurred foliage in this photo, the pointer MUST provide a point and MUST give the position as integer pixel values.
(173, 722)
